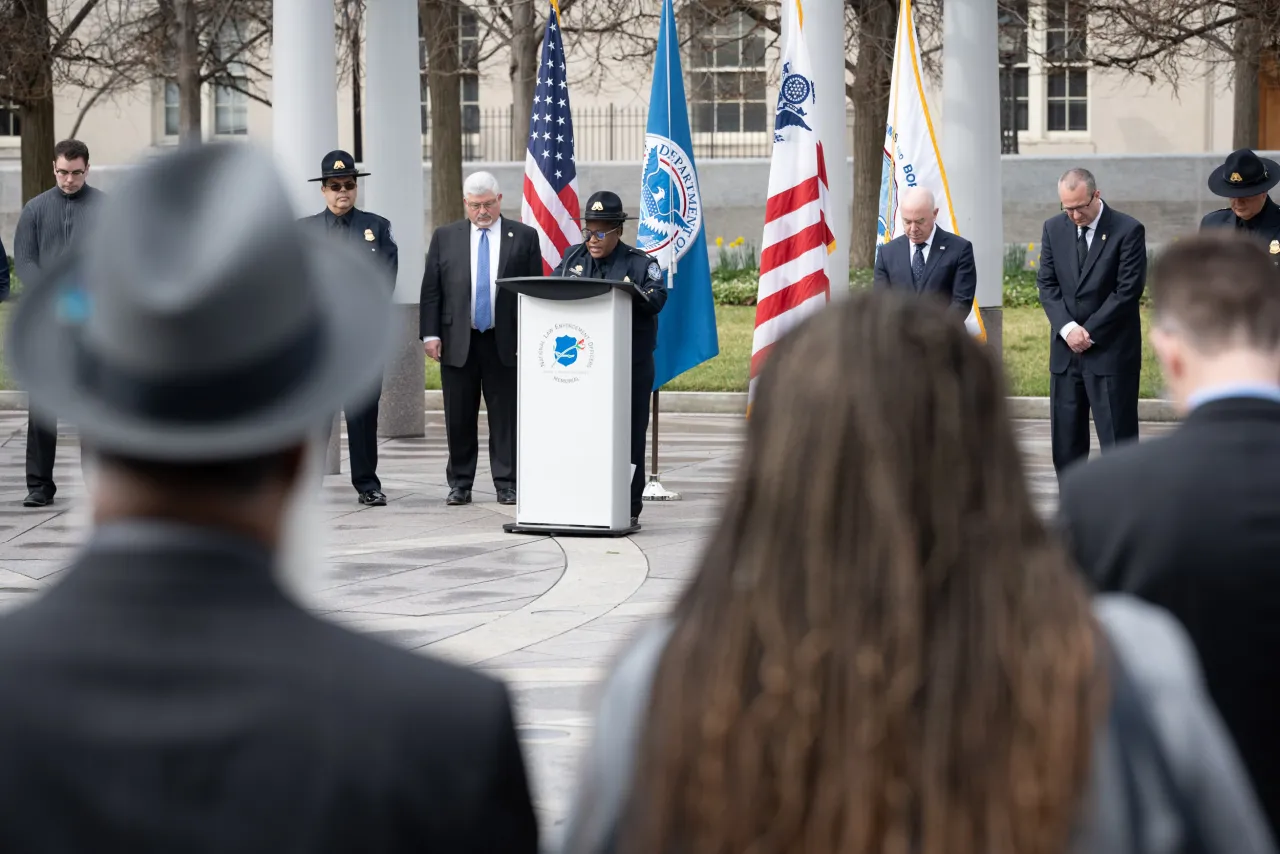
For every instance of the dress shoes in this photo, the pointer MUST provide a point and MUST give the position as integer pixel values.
(458, 496)
(36, 498)
(373, 498)
(507, 495)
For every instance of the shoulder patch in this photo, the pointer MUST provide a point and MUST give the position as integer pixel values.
(654, 272)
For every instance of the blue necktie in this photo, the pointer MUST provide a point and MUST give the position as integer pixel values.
(917, 264)
(484, 311)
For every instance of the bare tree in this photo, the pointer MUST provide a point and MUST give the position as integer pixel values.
(1169, 41)
(439, 20)
(194, 43)
(43, 44)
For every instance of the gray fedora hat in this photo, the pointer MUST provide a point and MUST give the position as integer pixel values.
(201, 322)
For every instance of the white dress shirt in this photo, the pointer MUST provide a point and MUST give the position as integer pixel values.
(1088, 239)
(495, 243)
(928, 244)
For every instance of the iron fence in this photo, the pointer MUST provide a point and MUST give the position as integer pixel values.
(600, 133)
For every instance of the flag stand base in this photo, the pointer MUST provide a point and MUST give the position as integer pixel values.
(655, 491)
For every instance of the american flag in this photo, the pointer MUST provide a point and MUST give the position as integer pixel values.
(797, 231)
(550, 203)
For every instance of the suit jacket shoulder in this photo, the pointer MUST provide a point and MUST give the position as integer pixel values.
(1221, 218)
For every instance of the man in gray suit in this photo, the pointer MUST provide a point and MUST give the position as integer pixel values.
(468, 325)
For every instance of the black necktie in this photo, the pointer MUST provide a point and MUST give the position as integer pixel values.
(917, 264)
(1082, 247)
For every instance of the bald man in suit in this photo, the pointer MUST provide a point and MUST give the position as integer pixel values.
(926, 259)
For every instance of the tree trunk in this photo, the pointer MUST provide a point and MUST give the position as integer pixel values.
(37, 146)
(526, 44)
(357, 111)
(440, 22)
(1248, 48)
(189, 83)
(35, 109)
(877, 22)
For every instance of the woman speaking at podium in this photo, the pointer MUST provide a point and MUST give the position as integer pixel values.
(603, 255)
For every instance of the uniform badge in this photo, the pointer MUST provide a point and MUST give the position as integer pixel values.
(626, 279)
(338, 164)
(578, 269)
(597, 207)
(1275, 247)
(368, 235)
(1235, 178)
(654, 272)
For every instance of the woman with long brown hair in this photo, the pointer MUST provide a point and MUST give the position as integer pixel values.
(886, 652)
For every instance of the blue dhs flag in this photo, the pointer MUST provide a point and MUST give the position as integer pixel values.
(671, 217)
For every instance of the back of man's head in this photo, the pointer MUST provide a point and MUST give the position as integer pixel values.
(1217, 313)
(1221, 290)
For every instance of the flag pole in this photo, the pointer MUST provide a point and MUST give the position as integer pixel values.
(654, 490)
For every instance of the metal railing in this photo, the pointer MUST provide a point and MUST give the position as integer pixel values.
(607, 133)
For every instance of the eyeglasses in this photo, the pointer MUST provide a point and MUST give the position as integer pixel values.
(587, 233)
(482, 206)
(335, 186)
(1077, 208)
(63, 173)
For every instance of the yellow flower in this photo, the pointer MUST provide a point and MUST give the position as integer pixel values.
(740, 241)
(1031, 247)
(719, 241)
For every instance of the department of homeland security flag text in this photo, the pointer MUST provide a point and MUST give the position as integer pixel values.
(671, 219)
(911, 154)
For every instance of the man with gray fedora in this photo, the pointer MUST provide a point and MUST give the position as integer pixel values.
(1245, 179)
(167, 693)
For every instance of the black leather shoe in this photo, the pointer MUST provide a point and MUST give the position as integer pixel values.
(458, 496)
(507, 495)
(373, 498)
(36, 498)
(635, 521)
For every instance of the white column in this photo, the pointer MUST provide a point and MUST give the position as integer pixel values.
(394, 189)
(971, 143)
(304, 111)
(304, 97)
(824, 32)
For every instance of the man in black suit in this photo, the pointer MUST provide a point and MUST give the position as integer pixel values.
(1093, 269)
(167, 694)
(342, 221)
(603, 255)
(1191, 522)
(468, 325)
(925, 259)
(1245, 179)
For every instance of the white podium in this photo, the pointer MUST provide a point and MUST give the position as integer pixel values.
(573, 421)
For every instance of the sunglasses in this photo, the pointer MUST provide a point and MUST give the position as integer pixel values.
(335, 186)
(587, 233)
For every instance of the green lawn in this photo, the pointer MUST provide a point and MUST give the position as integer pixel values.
(1026, 345)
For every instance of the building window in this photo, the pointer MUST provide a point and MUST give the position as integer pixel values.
(1066, 47)
(728, 74)
(468, 77)
(469, 45)
(171, 103)
(10, 124)
(1014, 69)
(231, 108)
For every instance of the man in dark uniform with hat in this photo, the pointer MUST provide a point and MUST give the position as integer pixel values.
(603, 255)
(342, 220)
(1245, 179)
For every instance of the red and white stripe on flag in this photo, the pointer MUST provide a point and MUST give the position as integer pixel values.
(797, 232)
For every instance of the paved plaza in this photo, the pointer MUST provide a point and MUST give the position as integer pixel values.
(545, 614)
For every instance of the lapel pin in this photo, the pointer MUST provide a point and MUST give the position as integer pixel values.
(511, 234)
(1104, 237)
